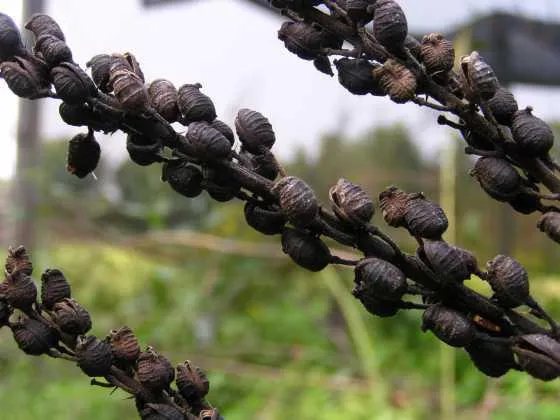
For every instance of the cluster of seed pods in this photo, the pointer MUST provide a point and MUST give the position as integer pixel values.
(58, 326)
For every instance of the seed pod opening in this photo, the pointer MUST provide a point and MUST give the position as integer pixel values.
(254, 131)
(297, 200)
(94, 356)
(21, 292)
(10, 38)
(509, 281)
(437, 53)
(307, 251)
(392, 203)
(154, 371)
(491, 358)
(263, 219)
(18, 260)
(378, 279)
(396, 80)
(192, 382)
(143, 150)
(54, 288)
(450, 263)
(184, 178)
(449, 325)
(497, 177)
(351, 203)
(533, 136)
(356, 75)
(195, 105)
(41, 24)
(124, 345)
(72, 84)
(208, 143)
(301, 39)
(71, 317)
(503, 106)
(549, 223)
(424, 218)
(33, 337)
(389, 24)
(83, 154)
(53, 50)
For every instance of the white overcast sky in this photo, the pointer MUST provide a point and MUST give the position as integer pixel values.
(232, 48)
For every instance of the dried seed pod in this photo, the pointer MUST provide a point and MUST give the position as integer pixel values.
(33, 337)
(533, 136)
(437, 53)
(184, 178)
(41, 24)
(83, 154)
(225, 129)
(414, 46)
(449, 325)
(124, 345)
(491, 358)
(450, 263)
(497, 177)
(94, 356)
(503, 106)
(163, 98)
(392, 203)
(475, 140)
(54, 288)
(356, 75)
(396, 80)
(100, 66)
(143, 150)
(360, 10)
(389, 24)
(207, 142)
(220, 186)
(323, 64)
(509, 281)
(21, 292)
(82, 115)
(536, 364)
(549, 223)
(53, 50)
(378, 307)
(10, 38)
(129, 90)
(72, 84)
(18, 260)
(525, 203)
(351, 203)
(424, 218)
(160, 412)
(25, 78)
(307, 251)
(134, 65)
(195, 105)
(71, 317)
(265, 165)
(331, 40)
(297, 200)
(192, 382)
(254, 131)
(480, 76)
(302, 39)
(541, 342)
(263, 219)
(154, 371)
(378, 279)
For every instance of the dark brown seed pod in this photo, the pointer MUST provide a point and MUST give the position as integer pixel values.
(192, 382)
(549, 223)
(153, 411)
(533, 136)
(53, 50)
(323, 64)
(424, 218)
(542, 343)
(254, 131)
(25, 78)
(163, 98)
(207, 142)
(392, 203)
(134, 65)
(33, 337)
(54, 288)
(509, 281)
(225, 129)
(450, 263)
(389, 24)
(184, 178)
(503, 106)
(491, 358)
(475, 140)
(356, 75)
(378, 307)
(301, 38)
(220, 186)
(195, 105)
(360, 10)
(41, 24)
(263, 219)
(351, 203)
(449, 325)
(82, 115)
(100, 66)
(143, 150)
(83, 154)
(526, 203)
(396, 80)
(378, 279)
(480, 76)
(94, 356)
(18, 260)
(437, 53)
(265, 165)
(297, 200)
(307, 251)
(154, 371)
(21, 292)
(497, 177)
(130, 91)
(71, 317)
(124, 345)
(414, 46)
(10, 38)
(72, 84)
(536, 364)
(331, 40)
